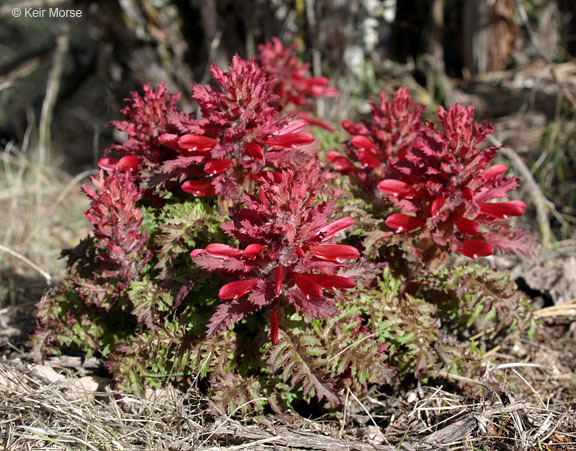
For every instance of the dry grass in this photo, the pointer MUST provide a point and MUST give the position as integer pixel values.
(41, 208)
(39, 414)
(519, 406)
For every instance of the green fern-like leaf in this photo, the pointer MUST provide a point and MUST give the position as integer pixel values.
(301, 361)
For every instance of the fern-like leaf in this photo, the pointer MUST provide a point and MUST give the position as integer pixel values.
(301, 360)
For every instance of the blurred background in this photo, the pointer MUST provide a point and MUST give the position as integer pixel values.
(62, 79)
(437, 47)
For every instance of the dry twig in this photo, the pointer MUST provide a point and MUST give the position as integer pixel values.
(541, 204)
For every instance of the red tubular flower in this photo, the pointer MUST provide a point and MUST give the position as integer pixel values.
(254, 150)
(341, 163)
(288, 259)
(331, 230)
(170, 140)
(334, 252)
(404, 223)
(215, 167)
(362, 142)
(290, 140)
(128, 163)
(445, 181)
(199, 189)
(475, 249)
(234, 290)
(274, 326)
(495, 171)
(196, 143)
(222, 251)
(466, 226)
(252, 250)
(503, 210)
(396, 188)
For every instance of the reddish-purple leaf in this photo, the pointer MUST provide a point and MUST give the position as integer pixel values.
(404, 223)
(334, 252)
(270, 176)
(199, 189)
(503, 210)
(234, 290)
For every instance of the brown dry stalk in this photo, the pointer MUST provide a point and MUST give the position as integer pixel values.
(541, 204)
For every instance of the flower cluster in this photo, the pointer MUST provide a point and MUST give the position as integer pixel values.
(239, 134)
(378, 144)
(146, 118)
(445, 182)
(116, 225)
(289, 77)
(287, 254)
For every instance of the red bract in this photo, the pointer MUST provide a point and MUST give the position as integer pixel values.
(288, 255)
(289, 76)
(446, 184)
(116, 225)
(240, 133)
(380, 143)
(146, 118)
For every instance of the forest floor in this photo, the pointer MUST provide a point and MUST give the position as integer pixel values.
(526, 399)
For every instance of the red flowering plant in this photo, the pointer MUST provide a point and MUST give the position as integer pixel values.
(447, 186)
(117, 226)
(379, 143)
(290, 80)
(240, 133)
(155, 312)
(287, 257)
(146, 118)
